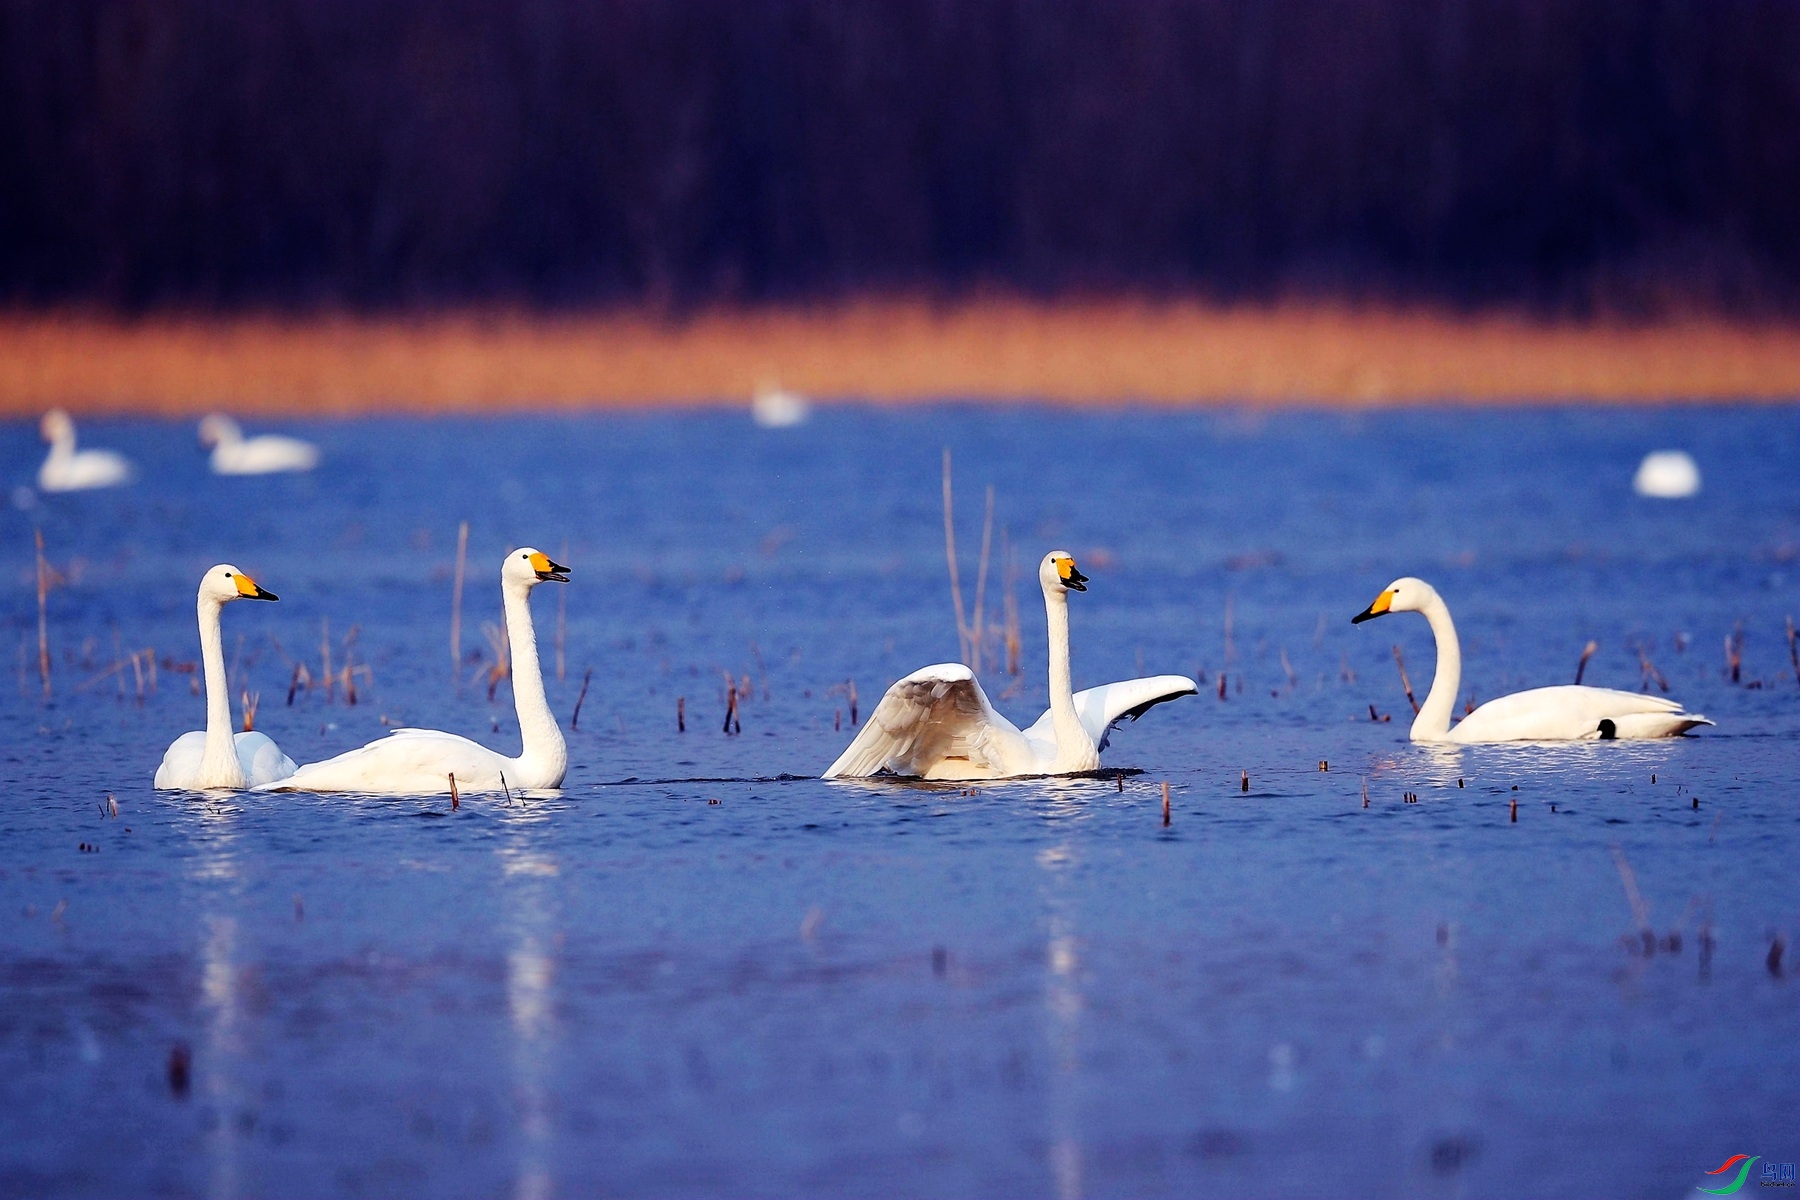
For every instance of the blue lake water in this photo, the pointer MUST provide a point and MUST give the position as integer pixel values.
(697, 970)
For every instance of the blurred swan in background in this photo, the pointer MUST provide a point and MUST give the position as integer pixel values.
(265, 454)
(70, 470)
(937, 722)
(419, 762)
(1548, 714)
(774, 407)
(218, 758)
(1667, 475)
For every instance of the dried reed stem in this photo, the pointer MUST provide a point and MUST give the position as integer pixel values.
(1165, 791)
(462, 559)
(43, 593)
(1010, 604)
(1638, 909)
(586, 678)
(681, 714)
(950, 557)
(1793, 649)
(1734, 651)
(1404, 681)
(250, 701)
(977, 634)
(455, 796)
(1587, 653)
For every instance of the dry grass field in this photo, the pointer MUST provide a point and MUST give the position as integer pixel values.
(1069, 352)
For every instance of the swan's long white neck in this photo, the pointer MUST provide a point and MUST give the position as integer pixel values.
(544, 756)
(1074, 748)
(1433, 722)
(62, 442)
(219, 766)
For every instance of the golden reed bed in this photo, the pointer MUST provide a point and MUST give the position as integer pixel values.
(1066, 353)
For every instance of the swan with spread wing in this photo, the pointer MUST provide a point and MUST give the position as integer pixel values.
(937, 722)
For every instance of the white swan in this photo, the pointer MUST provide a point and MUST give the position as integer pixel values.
(218, 758)
(419, 762)
(937, 722)
(1547, 714)
(266, 454)
(70, 470)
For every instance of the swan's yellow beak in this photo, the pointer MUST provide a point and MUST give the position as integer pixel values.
(547, 571)
(1071, 578)
(1376, 609)
(249, 590)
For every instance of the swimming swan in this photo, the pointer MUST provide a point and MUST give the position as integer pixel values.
(266, 454)
(419, 762)
(1547, 714)
(70, 470)
(937, 722)
(218, 758)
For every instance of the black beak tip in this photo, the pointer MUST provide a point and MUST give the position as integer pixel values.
(1362, 616)
(266, 594)
(556, 574)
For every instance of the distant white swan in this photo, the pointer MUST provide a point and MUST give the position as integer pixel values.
(70, 470)
(265, 454)
(218, 758)
(1547, 714)
(937, 722)
(419, 762)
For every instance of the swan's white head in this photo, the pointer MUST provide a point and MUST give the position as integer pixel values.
(1405, 594)
(527, 568)
(56, 426)
(225, 583)
(216, 428)
(1057, 574)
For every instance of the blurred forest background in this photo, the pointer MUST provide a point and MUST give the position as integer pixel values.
(1615, 160)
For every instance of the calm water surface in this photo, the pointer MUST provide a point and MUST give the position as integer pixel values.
(697, 970)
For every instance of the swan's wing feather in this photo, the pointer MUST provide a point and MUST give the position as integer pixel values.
(1102, 708)
(181, 761)
(407, 761)
(935, 713)
(262, 760)
(1561, 712)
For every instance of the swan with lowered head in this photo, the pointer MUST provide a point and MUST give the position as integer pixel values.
(937, 722)
(420, 762)
(70, 470)
(1548, 714)
(265, 454)
(219, 758)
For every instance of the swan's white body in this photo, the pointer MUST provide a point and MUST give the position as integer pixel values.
(67, 469)
(266, 454)
(218, 758)
(937, 722)
(1548, 714)
(419, 762)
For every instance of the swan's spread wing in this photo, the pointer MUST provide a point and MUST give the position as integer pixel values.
(414, 762)
(934, 714)
(1567, 712)
(1102, 708)
(262, 760)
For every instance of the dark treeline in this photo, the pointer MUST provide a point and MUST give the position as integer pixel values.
(1630, 155)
